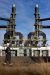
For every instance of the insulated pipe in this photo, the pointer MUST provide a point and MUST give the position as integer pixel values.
(32, 42)
(20, 37)
(44, 19)
(5, 19)
(3, 26)
(19, 34)
(36, 42)
(44, 37)
(45, 26)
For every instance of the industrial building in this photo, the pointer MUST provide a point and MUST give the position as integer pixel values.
(36, 42)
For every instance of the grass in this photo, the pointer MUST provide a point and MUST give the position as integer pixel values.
(25, 69)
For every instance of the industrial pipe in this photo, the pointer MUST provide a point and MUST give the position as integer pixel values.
(5, 19)
(45, 26)
(44, 19)
(3, 27)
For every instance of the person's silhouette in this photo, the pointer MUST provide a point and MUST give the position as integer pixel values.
(8, 54)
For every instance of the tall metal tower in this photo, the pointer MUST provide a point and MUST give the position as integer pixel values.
(37, 25)
(10, 32)
(37, 33)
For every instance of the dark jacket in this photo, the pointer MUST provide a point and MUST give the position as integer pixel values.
(8, 50)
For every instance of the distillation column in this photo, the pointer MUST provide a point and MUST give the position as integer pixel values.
(13, 23)
(38, 31)
(37, 26)
(10, 32)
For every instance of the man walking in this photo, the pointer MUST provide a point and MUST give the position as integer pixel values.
(8, 54)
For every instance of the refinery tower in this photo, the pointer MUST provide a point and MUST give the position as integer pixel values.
(34, 39)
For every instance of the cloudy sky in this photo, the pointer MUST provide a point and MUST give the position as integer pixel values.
(25, 15)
